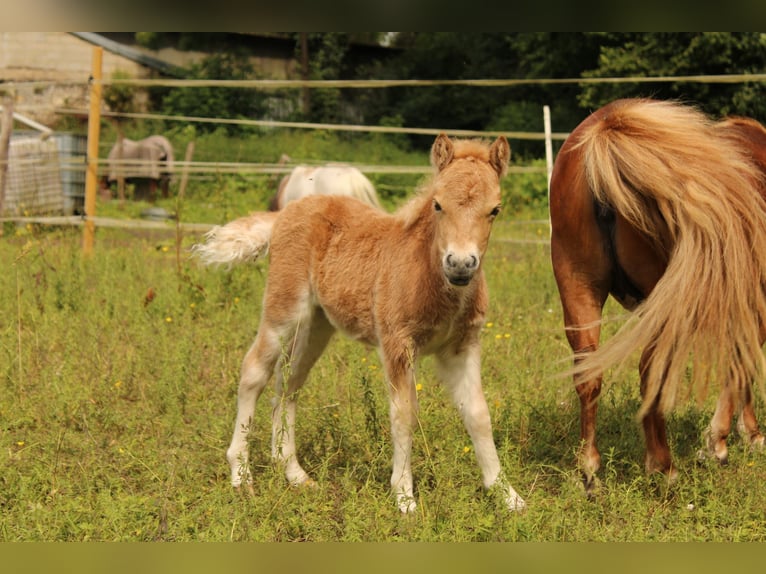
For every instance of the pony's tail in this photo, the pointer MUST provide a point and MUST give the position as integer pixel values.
(665, 169)
(363, 188)
(243, 240)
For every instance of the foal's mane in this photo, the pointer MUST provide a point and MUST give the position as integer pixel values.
(420, 204)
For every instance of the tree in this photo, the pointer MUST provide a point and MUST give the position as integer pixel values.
(682, 54)
(447, 55)
(242, 103)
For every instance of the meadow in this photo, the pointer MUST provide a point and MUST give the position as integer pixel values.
(118, 378)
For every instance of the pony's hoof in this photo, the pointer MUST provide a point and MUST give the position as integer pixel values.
(303, 482)
(590, 484)
(758, 442)
(719, 455)
(515, 503)
(406, 504)
(308, 483)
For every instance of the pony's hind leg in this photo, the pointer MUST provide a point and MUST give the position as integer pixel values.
(747, 424)
(301, 352)
(256, 371)
(718, 431)
(461, 374)
(719, 428)
(658, 458)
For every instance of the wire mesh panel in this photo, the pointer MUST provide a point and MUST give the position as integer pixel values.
(33, 185)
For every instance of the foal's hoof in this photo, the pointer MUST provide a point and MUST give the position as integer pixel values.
(406, 504)
(303, 482)
(515, 503)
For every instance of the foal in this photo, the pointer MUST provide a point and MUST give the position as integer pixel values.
(409, 283)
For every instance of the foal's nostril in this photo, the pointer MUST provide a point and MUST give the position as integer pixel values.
(468, 263)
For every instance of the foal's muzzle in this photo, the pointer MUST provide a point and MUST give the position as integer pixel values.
(460, 269)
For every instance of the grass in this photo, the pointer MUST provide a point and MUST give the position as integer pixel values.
(118, 379)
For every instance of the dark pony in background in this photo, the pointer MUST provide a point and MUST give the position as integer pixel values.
(146, 163)
(659, 206)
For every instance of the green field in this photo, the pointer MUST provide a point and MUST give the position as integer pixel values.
(117, 399)
(119, 371)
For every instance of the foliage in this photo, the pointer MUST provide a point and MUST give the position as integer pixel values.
(484, 55)
(119, 98)
(682, 54)
(217, 102)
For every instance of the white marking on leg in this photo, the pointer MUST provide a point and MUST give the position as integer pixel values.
(403, 408)
(461, 374)
(255, 375)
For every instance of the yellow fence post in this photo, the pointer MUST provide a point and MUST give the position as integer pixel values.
(91, 173)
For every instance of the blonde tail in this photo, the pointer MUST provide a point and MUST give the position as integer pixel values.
(241, 241)
(666, 170)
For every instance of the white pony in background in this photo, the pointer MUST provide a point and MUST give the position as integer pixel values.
(330, 179)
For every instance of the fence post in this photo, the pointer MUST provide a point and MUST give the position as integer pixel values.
(6, 127)
(91, 173)
(548, 144)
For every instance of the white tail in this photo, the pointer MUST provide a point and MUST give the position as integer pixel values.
(243, 240)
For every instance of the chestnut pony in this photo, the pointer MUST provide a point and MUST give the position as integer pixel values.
(331, 179)
(409, 283)
(657, 205)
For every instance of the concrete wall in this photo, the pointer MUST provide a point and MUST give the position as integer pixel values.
(53, 57)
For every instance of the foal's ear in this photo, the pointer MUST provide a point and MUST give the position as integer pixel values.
(499, 155)
(442, 152)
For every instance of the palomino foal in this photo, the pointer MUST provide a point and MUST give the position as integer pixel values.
(409, 283)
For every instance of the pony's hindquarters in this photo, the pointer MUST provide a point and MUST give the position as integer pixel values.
(345, 180)
(651, 203)
(693, 195)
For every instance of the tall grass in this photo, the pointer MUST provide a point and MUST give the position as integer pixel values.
(118, 379)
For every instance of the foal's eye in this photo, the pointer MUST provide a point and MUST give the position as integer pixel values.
(437, 206)
(494, 212)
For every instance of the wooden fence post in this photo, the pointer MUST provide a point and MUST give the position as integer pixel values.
(6, 127)
(91, 173)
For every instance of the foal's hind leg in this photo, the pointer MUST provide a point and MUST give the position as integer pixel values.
(257, 367)
(302, 351)
(461, 374)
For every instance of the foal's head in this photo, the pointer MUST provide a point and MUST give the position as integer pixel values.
(466, 199)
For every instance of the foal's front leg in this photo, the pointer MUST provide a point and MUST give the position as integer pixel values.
(400, 368)
(461, 374)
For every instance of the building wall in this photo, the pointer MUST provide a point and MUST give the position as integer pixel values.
(53, 57)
